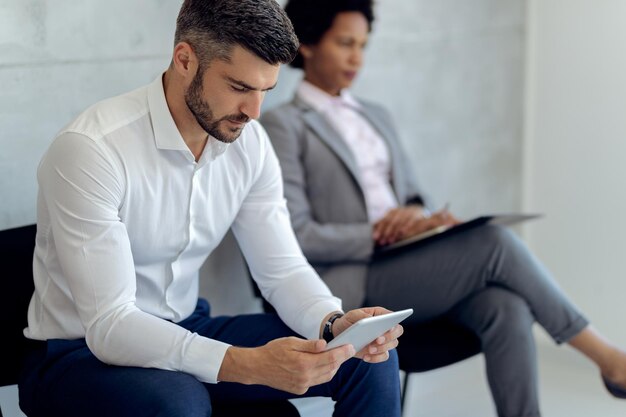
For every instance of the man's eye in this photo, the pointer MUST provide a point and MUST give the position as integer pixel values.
(239, 89)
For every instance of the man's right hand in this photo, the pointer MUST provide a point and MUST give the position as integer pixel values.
(288, 364)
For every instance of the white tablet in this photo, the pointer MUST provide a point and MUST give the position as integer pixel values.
(366, 330)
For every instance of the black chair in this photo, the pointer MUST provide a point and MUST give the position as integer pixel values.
(437, 343)
(16, 257)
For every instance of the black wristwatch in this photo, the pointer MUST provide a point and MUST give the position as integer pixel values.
(327, 333)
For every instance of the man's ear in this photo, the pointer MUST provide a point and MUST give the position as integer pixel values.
(185, 60)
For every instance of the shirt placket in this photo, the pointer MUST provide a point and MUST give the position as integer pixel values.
(190, 235)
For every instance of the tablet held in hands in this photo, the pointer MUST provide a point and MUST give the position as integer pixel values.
(366, 330)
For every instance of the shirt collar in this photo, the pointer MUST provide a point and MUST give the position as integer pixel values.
(166, 134)
(323, 102)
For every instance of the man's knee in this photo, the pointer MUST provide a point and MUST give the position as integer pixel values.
(377, 373)
(183, 395)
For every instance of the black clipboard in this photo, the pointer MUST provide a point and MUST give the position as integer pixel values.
(437, 233)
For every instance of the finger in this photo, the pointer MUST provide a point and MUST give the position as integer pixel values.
(376, 229)
(410, 227)
(386, 341)
(375, 348)
(369, 311)
(340, 354)
(417, 226)
(382, 357)
(308, 346)
(388, 230)
(324, 377)
(394, 333)
(334, 358)
(381, 225)
(402, 226)
(324, 372)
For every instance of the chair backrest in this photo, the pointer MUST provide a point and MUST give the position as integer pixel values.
(16, 259)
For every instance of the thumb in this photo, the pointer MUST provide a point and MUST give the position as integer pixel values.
(311, 346)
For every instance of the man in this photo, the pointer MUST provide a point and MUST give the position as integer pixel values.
(134, 195)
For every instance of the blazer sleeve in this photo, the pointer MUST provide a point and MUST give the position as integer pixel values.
(325, 243)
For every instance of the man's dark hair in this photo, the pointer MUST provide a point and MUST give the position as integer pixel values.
(312, 18)
(214, 27)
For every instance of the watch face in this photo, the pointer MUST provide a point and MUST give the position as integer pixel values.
(327, 334)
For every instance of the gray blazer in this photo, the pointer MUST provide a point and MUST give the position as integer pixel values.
(324, 195)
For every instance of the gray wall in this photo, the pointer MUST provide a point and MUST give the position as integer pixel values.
(449, 70)
(56, 58)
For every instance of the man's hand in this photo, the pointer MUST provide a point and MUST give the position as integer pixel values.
(288, 364)
(403, 222)
(378, 350)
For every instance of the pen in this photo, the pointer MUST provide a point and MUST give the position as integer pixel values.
(444, 210)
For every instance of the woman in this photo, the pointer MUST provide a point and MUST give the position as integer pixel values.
(349, 188)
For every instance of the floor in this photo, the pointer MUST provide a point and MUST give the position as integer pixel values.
(570, 387)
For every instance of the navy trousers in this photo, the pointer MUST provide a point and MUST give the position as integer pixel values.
(63, 378)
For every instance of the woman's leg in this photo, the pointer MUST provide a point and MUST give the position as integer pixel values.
(503, 322)
(610, 359)
(433, 277)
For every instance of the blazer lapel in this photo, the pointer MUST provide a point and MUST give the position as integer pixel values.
(327, 134)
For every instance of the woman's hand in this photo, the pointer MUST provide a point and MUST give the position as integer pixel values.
(404, 222)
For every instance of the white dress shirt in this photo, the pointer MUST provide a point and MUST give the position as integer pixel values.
(367, 146)
(125, 219)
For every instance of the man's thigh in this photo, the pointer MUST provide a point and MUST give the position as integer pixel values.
(66, 379)
(249, 330)
(71, 381)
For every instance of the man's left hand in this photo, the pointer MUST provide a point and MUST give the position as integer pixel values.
(378, 350)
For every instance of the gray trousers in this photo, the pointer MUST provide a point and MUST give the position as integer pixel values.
(487, 280)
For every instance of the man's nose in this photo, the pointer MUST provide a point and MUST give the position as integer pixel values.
(251, 107)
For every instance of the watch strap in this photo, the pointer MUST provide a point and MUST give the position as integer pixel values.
(327, 333)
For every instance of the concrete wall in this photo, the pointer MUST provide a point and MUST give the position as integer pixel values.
(56, 58)
(576, 148)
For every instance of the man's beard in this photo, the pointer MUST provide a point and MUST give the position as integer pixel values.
(204, 115)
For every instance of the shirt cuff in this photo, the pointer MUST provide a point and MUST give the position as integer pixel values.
(317, 314)
(203, 358)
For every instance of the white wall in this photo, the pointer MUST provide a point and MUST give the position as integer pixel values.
(575, 169)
